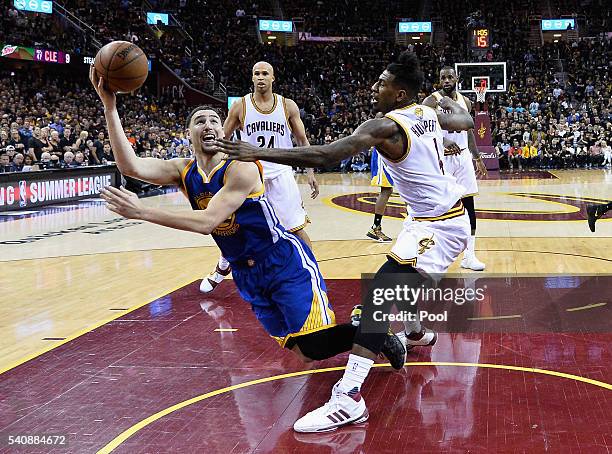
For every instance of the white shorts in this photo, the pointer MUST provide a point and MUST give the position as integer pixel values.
(431, 246)
(461, 167)
(284, 195)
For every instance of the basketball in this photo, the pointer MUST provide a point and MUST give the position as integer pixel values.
(123, 65)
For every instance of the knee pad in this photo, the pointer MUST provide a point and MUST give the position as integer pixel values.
(325, 343)
(371, 341)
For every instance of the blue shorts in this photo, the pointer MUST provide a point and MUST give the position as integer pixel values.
(286, 290)
(380, 176)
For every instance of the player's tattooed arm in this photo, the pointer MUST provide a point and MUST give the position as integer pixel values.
(430, 101)
(377, 132)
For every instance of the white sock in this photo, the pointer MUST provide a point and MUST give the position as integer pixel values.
(223, 264)
(469, 250)
(412, 327)
(357, 369)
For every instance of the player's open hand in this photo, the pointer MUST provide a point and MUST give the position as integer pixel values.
(242, 151)
(123, 202)
(313, 183)
(481, 168)
(108, 97)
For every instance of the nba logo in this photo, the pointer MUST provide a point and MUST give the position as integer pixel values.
(22, 193)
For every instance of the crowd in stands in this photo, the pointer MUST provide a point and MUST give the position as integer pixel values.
(57, 122)
(556, 112)
(542, 122)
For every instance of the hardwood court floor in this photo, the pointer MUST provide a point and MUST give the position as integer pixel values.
(67, 270)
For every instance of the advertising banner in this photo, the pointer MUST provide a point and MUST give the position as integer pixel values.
(23, 190)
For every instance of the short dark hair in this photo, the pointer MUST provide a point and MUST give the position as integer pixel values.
(447, 68)
(202, 107)
(407, 71)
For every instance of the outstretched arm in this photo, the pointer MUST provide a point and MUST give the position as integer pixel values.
(371, 133)
(152, 170)
(242, 179)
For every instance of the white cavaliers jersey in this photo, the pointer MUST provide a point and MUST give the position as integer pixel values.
(419, 177)
(269, 129)
(459, 137)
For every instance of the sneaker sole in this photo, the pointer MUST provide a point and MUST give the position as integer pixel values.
(359, 420)
(431, 343)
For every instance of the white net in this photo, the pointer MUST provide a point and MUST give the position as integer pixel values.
(481, 93)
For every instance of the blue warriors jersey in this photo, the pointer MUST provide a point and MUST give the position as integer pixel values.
(250, 231)
(380, 175)
(273, 269)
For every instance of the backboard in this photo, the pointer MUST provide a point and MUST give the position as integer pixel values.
(471, 75)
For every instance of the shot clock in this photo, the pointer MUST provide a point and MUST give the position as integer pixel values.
(480, 38)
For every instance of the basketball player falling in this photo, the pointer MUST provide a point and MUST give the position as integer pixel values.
(460, 165)
(266, 119)
(273, 269)
(409, 139)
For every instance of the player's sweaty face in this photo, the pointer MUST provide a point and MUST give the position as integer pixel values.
(206, 125)
(448, 80)
(263, 77)
(384, 94)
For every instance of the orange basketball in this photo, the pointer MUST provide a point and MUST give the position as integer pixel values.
(123, 65)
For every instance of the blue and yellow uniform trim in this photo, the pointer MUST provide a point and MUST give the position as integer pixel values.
(380, 175)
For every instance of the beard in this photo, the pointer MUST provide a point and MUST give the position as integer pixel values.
(448, 91)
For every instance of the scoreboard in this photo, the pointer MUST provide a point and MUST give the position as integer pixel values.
(480, 38)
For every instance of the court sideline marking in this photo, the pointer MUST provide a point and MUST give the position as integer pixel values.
(72, 337)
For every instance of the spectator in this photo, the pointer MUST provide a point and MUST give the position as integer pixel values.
(17, 142)
(5, 163)
(79, 159)
(68, 161)
(67, 141)
(36, 144)
(28, 164)
(18, 163)
(45, 161)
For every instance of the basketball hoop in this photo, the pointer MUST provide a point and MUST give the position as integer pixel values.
(480, 93)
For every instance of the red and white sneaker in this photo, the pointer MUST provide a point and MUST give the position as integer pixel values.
(340, 410)
(210, 282)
